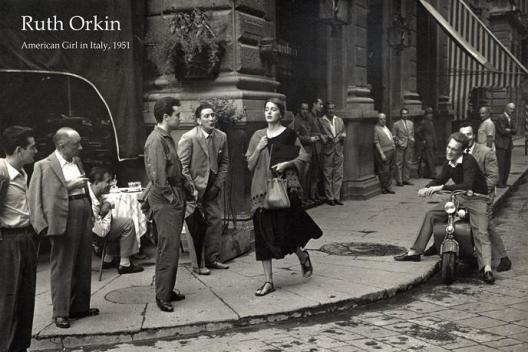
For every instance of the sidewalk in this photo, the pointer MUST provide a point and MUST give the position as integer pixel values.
(226, 299)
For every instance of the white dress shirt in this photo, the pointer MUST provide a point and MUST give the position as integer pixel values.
(71, 171)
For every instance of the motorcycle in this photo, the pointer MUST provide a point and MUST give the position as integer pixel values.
(454, 240)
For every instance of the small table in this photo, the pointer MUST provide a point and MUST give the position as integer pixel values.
(127, 205)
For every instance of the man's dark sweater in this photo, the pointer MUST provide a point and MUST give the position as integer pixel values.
(466, 176)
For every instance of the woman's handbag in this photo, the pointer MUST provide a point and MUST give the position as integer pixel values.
(276, 192)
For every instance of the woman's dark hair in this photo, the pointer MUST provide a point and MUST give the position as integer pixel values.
(164, 106)
(15, 136)
(97, 174)
(279, 103)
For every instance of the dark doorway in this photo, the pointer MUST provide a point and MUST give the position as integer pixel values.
(375, 52)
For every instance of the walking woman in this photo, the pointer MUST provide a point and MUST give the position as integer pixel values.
(278, 231)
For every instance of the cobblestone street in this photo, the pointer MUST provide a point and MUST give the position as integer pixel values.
(466, 316)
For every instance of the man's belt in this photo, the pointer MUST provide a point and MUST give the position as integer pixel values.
(7, 231)
(78, 196)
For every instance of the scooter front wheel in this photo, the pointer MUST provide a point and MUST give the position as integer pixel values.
(448, 267)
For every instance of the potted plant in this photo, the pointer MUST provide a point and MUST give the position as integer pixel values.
(190, 48)
(227, 113)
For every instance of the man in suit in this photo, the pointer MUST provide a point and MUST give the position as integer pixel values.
(307, 129)
(505, 129)
(316, 160)
(205, 161)
(333, 129)
(426, 140)
(403, 132)
(384, 153)
(487, 161)
(18, 261)
(60, 209)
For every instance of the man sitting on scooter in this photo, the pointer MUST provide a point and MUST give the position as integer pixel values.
(465, 172)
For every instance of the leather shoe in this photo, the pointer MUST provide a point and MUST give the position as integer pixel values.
(89, 313)
(408, 183)
(177, 296)
(338, 202)
(62, 322)
(201, 271)
(504, 265)
(399, 184)
(430, 251)
(217, 265)
(113, 264)
(487, 277)
(330, 202)
(390, 191)
(132, 268)
(164, 306)
(408, 258)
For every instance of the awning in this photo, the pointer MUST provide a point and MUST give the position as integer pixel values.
(477, 59)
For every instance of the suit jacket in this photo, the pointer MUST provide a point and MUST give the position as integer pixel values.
(425, 131)
(4, 183)
(48, 196)
(403, 137)
(194, 156)
(503, 138)
(334, 143)
(487, 161)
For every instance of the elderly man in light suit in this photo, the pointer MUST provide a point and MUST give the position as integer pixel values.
(403, 132)
(204, 157)
(333, 136)
(60, 208)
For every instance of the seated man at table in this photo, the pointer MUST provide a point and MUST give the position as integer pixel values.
(114, 228)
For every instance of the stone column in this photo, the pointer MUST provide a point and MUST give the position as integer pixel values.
(359, 114)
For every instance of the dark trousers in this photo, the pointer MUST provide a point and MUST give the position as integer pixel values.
(213, 235)
(504, 164)
(428, 158)
(169, 222)
(18, 268)
(71, 262)
(436, 214)
(385, 168)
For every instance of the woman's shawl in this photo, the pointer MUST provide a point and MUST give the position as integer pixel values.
(262, 171)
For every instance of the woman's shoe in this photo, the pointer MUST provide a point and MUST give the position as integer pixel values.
(306, 267)
(265, 289)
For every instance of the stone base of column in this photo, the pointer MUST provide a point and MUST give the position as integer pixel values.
(361, 189)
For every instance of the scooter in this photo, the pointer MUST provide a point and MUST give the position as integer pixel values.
(454, 239)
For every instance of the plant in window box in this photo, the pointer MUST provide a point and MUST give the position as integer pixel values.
(228, 115)
(190, 47)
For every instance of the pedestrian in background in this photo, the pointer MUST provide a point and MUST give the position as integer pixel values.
(333, 128)
(403, 132)
(315, 191)
(384, 153)
(18, 258)
(505, 129)
(486, 131)
(426, 141)
(278, 231)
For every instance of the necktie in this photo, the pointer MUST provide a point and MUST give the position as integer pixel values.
(212, 158)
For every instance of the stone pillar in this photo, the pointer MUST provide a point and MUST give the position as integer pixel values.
(359, 114)
(245, 78)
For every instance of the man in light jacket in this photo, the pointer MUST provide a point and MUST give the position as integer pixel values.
(403, 132)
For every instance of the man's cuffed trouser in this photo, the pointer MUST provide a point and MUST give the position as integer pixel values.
(18, 267)
(436, 214)
(498, 250)
(504, 164)
(169, 222)
(385, 168)
(122, 229)
(71, 262)
(333, 175)
(478, 218)
(403, 162)
(213, 234)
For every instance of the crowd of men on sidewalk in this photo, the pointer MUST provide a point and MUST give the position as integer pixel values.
(67, 207)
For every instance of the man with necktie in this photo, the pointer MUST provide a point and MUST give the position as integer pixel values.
(505, 129)
(60, 208)
(205, 161)
(384, 153)
(403, 132)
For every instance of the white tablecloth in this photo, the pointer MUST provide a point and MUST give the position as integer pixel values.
(127, 205)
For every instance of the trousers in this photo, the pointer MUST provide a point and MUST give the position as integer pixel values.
(122, 237)
(18, 273)
(504, 165)
(403, 162)
(333, 175)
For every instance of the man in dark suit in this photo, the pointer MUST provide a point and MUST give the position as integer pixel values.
(205, 161)
(60, 209)
(426, 141)
(18, 261)
(504, 130)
